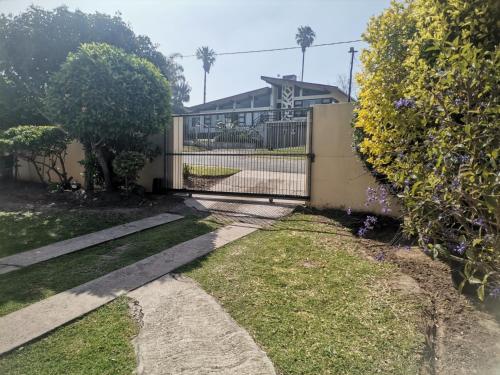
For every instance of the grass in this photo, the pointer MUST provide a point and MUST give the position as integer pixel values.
(285, 150)
(99, 343)
(34, 283)
(209, 171)
(27, 230)
(312, 302)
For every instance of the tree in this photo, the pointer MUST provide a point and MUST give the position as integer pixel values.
(35, 43)
(207, 56)
(42, 146)
(305, 38)
(110, 101)
(428, 114)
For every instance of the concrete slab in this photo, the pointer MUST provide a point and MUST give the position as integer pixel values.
(27, 258)
(42, 317)
(258, 211)
(185, 331)
(264, 182)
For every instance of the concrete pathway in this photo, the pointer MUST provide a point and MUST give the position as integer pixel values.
(258, 211)
(42, 317)
(27, 258)
(185, 331)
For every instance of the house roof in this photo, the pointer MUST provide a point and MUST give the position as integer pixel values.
(244, 95)
(337, 93)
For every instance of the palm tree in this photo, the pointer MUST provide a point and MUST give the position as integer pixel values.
(207, 55)
(305, 38)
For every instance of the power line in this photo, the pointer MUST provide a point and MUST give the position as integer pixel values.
(279, 49)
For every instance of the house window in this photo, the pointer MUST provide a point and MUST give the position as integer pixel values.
(298, 104)
(310, 92)
(262, 101)
(227, 105)
(244, 103)
(326, 100)
(207, 121)
(296, 90)
(280, 92)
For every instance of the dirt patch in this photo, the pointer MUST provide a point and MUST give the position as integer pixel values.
(462, 338)
(16, 196)
(201, 183)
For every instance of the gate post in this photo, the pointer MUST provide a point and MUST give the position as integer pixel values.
(174, 164)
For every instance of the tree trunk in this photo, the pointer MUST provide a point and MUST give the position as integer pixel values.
(205, 87)
(106, 170)
(89, 178)
(303, 58)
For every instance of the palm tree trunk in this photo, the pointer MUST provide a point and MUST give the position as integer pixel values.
(303, 58)
(205, 88)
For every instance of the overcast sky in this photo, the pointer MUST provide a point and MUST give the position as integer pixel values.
(236, 25)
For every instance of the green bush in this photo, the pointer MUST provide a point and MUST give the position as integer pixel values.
(110, 101)
(428, 121)
(240, 136)
(43, 146)
(127, 165)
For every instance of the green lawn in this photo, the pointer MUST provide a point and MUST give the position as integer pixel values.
(209, 171)
(99, 343)
(285, 150)
(25, 286)
(27, 230)
(312, 302)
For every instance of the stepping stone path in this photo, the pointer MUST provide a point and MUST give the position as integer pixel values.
(185, 331)
(27, 258)
(33, 321)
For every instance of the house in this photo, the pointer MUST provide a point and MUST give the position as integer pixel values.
(283, 93)
(271, 117)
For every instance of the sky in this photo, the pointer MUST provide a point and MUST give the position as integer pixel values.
(236, 25)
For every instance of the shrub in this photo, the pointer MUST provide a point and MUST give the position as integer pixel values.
(240, 136)
(428, 117)
(127, 165)
(42, 146)
(110, 101)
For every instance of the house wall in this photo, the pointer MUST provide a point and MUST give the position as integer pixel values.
(338, 178)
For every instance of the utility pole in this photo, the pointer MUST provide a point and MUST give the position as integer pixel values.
(352, 52)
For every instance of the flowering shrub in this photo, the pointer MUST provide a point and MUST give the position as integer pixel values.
(428, 119)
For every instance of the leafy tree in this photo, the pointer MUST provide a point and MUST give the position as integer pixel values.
(42, 146)
(305, 38)
(127, 165)
(35, 43)
(109, 100)
(428, 117)
(207, 56)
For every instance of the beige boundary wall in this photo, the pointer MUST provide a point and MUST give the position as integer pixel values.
(75, 153)
(338, 178)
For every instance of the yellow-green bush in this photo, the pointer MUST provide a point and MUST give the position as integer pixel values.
(428, 120)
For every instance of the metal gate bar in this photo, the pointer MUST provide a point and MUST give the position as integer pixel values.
(256, 153)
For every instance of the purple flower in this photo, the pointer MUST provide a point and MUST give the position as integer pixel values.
(349, 211)
(407, 248)
(479, 222)
(404, 103)
(495, 293)
(380, 257)
(460, 248)
(464, 159)
(362, 232)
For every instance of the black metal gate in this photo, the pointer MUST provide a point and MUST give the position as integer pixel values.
(263, 153)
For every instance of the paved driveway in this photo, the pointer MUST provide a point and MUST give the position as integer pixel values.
(250, 162)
